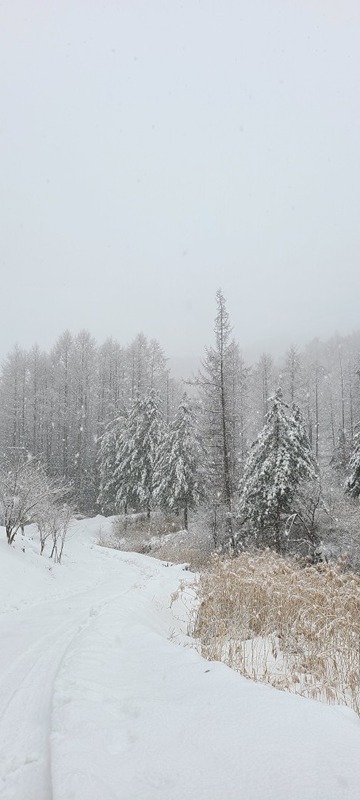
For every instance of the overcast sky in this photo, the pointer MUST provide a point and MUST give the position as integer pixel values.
(154, 150)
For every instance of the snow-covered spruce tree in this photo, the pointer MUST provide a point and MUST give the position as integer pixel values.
(138, 452)
(110, 445)
(353, 482)
(279, 462)
(179, 479)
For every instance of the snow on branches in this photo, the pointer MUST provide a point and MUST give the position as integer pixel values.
(180, 485)
(280, 461)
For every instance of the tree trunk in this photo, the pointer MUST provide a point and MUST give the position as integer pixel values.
(278, 547)
(226, 464)
(11, 533)
(317, 412)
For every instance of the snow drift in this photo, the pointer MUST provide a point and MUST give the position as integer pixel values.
(103, 696)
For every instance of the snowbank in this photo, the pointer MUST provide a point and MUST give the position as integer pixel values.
(99, 701)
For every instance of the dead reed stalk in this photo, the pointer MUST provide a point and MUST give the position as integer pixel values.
(295, 627)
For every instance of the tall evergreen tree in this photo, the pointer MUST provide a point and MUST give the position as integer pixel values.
(215, 381)
(179, 480)
(279, 461)
(108, 458)
(138, 453)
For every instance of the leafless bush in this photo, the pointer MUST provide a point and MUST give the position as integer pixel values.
(166, 540)
(136, 533)
(193, 547)
(135, 542)
(139, 524)
(339, 531)
(60, 521)
(183, 548)
(25, 493)
(53, 524)
(275, 621)
(44, 525)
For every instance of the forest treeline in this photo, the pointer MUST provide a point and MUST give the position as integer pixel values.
(55, 406)
(81, 408)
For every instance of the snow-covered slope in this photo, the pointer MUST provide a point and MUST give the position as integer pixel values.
(98, 701)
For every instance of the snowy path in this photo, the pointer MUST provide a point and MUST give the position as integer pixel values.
(99, 702)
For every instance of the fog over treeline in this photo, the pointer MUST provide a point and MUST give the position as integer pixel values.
(56, 405)
(152, 151)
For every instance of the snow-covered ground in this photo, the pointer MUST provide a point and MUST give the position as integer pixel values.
(99, 702)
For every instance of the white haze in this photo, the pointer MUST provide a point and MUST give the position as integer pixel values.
(152, 152)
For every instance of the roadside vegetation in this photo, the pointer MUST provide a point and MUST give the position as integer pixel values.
(277, 621)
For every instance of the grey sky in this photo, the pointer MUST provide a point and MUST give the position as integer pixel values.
(153, 151)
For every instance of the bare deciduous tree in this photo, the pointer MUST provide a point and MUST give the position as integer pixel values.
(25, 492)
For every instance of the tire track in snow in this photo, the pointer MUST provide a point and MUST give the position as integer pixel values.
(26, 716)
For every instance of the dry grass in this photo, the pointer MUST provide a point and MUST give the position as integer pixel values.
(140, 525)
(183, 548)
(275, 621)
(137, 533)
(162, 538)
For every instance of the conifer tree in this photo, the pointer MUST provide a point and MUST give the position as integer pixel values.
(180, 485)
(220, 419)
(279, 461)
(110, 444)
(138, 452)
(353, 482)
